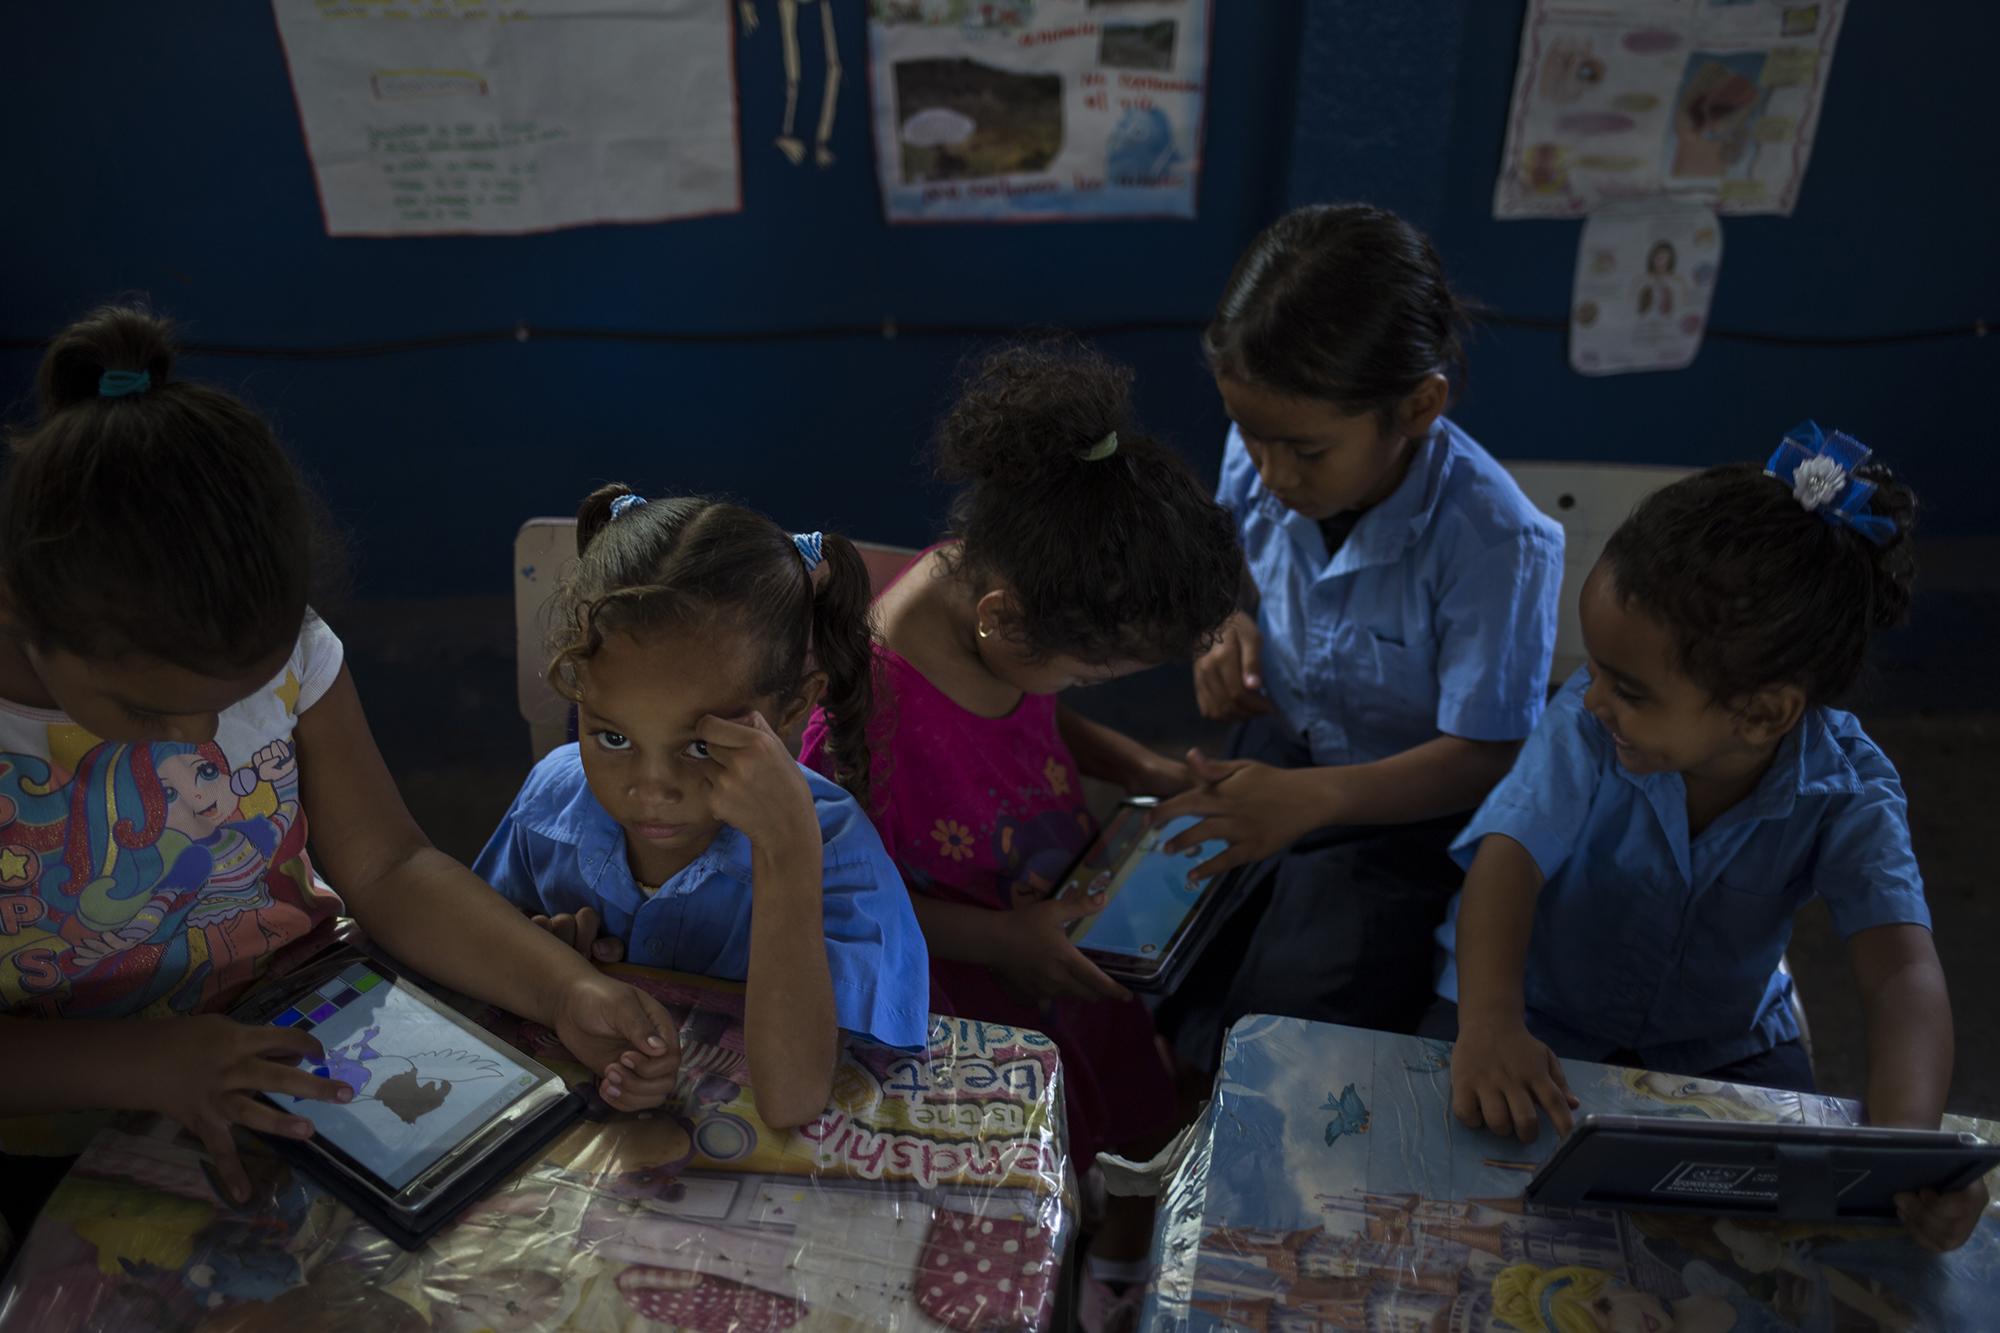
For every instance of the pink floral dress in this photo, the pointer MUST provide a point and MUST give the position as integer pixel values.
(990, 812)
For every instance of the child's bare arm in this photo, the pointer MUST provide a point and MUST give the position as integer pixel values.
(1909, 1064)
(1500, 1074)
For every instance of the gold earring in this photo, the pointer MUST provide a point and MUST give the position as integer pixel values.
(985, 633)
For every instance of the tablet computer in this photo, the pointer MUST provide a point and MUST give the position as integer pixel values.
(1153, 922)
(1808, 1173)
(441, 1110)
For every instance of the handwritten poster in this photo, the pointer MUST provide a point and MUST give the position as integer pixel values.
(426, 117)
(1644, 279)
(1710, 102)
(1017, 110)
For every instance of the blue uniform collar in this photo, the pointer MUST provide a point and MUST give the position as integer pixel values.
(1809, 762)
(1383, 534)
(600, 846)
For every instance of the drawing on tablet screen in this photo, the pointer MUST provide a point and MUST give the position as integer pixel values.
(412, 1086)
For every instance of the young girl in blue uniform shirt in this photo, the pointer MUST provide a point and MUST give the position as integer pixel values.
(1396, 644)
(690, 635)
(1633, 880)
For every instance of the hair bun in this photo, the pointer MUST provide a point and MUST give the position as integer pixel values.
(595, 512)
(111, 337)
(1031, 410)
(1894, 580)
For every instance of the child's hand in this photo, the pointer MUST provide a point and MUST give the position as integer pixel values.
(623, 1034)
(1228, 678)
(206, 1073)
(755, 786)
(579, 932)
(1941, 1222)
(1037, 959)
(1257, 809)
(1500, 1074)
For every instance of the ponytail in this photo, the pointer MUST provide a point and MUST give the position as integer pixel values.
(844, 647)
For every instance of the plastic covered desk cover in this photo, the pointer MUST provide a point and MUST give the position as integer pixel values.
(1328, 1187)
(935, 1193)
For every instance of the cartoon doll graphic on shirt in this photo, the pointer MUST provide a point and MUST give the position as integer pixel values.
(152, 877)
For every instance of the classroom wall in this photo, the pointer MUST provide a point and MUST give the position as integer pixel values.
(1407, 105)
(751, 354)
(167, 159)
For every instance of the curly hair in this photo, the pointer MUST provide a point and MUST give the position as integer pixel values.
(691, 563)
(1118, 556)
(1756, 590)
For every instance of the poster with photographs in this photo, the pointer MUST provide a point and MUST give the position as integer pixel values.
(1644, 280)
(1707, 102)
(1037, 110)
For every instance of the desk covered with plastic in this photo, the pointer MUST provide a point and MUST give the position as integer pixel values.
(934, 1193)
(1328, 1187)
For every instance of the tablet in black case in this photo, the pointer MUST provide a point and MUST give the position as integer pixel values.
(1815, 1173)
(442, 1108)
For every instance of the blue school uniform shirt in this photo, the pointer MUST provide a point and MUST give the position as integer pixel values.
(1668, 947)
(558, 850)
(1436, 615)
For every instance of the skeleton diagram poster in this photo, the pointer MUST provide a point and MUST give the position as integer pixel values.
(1707, 102)
(425, 117)
(1010, 110)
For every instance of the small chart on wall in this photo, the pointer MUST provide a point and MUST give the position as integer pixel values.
(428, 118)
(1705, 102)
(1038, 110)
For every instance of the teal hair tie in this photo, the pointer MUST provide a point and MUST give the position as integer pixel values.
(118, 383)
(1102, 450)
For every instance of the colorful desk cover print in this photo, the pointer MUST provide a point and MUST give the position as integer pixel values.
(1329, 1188)
(935, 1193)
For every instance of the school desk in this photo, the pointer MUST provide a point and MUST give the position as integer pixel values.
(1328, 1187)
(934, 1193)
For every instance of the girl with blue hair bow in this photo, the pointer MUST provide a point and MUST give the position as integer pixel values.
(1632, 881)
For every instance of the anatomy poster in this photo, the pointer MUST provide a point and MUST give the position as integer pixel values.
(424, 117)
(1644, 279)
(993, 110)
(1709, 102)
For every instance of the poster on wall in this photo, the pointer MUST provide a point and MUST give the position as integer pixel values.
(1710, 102)
(426, 118)
(1644, 280)
(1036, 110)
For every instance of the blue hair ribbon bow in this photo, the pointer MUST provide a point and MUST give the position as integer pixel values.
(809, 546)
(1819, 469)
(625, 504)
(118, 383)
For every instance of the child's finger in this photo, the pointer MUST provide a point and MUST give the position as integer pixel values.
(563, 927)
(1465, 1105)
(652, 1066)
(1556, 1102)
(1070, 910)
(1212, 771)
(588, 923)
(721, 733)
(1521, 1109)
(228, 1167)
(1208, 830)
(284, 1044)
(268, 1119)
(1198, 800)
(1493, 1110)
(1228, 858)
(646, 1025)
(1561, 1080)
(645, 1091)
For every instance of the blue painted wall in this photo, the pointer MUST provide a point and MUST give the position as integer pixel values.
(167, 159)
(1894, 230)
(164, 157)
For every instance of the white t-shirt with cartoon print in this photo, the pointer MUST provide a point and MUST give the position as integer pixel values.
(154, 879)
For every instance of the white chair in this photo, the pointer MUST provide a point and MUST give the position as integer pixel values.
(1589, 500)
(544, 549)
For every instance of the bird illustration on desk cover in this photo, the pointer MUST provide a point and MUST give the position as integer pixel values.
(1350, 1117)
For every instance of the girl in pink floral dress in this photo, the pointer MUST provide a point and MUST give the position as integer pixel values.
(1080, 551)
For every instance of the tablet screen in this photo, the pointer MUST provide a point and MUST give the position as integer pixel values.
(422, 1083)
(1150, 896)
